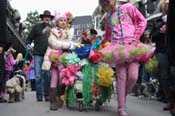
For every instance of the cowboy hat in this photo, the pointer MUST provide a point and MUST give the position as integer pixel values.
(46, 13)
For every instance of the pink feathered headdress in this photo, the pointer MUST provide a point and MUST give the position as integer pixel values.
(59, 15)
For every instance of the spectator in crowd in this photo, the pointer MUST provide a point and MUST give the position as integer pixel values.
(10, 62)
(2, 78)
(39, 35)
(158, 34)
(171, 49)
(19, 66)
(146, 77)
(93, 35)
(84, 38)
(31, 75)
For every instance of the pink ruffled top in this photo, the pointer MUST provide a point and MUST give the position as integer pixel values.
(133, 24)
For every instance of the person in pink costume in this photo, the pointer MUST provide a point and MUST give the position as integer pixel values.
(124, 25)
(59, 40)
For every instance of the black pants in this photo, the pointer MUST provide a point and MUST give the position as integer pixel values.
(2, 83)
(163, 74)
(32, 84)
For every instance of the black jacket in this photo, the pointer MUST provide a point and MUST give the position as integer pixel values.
(158, 37)
(40, 39)
(171, 32)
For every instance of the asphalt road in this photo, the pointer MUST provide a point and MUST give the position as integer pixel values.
(29, 107)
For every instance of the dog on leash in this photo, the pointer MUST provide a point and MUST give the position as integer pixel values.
(15, 88)
(148, 90)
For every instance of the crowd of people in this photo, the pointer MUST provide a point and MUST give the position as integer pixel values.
(125, 25)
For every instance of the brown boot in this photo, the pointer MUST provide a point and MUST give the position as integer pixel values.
(53, 99)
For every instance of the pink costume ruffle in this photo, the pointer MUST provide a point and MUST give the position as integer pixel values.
(116, 53)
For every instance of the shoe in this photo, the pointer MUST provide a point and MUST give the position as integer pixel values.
(39, 99)
(53, 99)
(168, 107)
(122, 112)
(47, 98)
(172, 111)
(3, 100)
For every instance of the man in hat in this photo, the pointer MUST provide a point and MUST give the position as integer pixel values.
(39, 35)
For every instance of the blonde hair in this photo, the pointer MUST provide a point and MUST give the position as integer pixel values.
(19, 56)
(162, 6)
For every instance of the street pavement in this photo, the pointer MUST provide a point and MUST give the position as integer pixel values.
(29, 107)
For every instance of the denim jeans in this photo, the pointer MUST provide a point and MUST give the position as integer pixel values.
(42, 78)
(147, 76)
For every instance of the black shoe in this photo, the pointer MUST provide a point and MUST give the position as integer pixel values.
(2, 100)
(39, 99)
(47, 98)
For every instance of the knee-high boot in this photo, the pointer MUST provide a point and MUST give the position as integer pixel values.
(53, 99)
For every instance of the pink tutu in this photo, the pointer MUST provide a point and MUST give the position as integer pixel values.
(116, 53)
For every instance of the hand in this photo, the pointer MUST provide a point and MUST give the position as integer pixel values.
(73, 45)
(103, 41)
(163, 29)
(29, 46)
(47, 30)
(60, 34)
(17, 60)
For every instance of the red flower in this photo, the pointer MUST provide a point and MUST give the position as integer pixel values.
(95, 56)
(95, 90)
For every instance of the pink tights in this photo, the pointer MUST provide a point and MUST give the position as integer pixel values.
(127, 75)
(55, 72)
(54, 77)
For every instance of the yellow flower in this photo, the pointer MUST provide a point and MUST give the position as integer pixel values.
(79, 45)
(105, 75)
(64, 96)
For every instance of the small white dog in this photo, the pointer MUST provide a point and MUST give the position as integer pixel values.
(15, 88)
